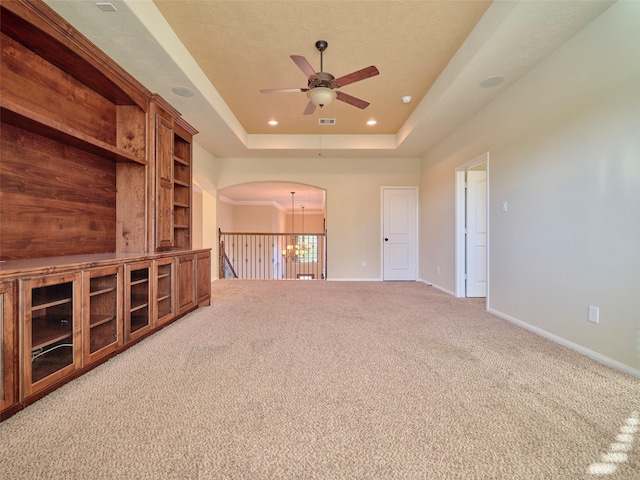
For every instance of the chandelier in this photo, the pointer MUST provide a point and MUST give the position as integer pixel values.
(294, 249)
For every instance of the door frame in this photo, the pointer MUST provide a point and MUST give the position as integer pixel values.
(417, 225)
(460, 225)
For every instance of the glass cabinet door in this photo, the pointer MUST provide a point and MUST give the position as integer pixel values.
(164, 291)
(52, 329)
(103, 323)
(138, 298)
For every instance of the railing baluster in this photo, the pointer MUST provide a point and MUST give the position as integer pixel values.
(259, 255)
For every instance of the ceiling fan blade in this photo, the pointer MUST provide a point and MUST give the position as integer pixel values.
(310, 109)
(304, 65)
(356, 102)
(371, 71)
(284, 90)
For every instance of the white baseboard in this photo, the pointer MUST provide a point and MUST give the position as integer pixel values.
(566, 343)
(438, 287)
(354, 279)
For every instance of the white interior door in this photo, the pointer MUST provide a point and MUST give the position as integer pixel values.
(400, 233)
(476, 228)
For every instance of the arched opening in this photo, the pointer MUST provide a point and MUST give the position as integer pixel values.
(272, 230)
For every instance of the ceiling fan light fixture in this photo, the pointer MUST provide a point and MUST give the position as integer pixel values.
(321, 96)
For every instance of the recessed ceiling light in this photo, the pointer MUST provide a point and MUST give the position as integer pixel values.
(492, 81)
(371, 122)
(106, 6)
(183, 91)
(406, 99)
(273, 122)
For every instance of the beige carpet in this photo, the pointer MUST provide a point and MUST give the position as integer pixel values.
(331, 380)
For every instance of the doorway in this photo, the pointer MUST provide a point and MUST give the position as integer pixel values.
(472, 228)
(399, 233)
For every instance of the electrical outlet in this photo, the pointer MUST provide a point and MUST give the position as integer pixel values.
(594, 314)
(363, 265)
(438, 270)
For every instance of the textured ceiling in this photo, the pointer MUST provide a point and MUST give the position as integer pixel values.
(438, 51)
(245, 46)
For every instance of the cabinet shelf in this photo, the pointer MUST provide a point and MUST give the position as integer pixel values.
(103, 291)
(138, 307)
(21, 117)
(139, 282)
(49, 331)
(180, 183)
(181, 205)
(181, 161)
(53, 303)
(97, 320)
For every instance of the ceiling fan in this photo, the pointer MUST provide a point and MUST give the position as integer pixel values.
(322, 86)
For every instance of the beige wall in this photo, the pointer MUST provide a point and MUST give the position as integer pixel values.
(353, 200)
(205, 216)
(564, 146)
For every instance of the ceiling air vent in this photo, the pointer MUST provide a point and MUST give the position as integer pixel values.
(326, 121)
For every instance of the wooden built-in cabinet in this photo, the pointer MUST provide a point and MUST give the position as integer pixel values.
(52, 341)
(187, 284)
(103, 303)
(138, 298)
(95, 207)
(182, 188)
(204, 277)
(76, 312)
(164, 290)
(172, 176)
(164, 182)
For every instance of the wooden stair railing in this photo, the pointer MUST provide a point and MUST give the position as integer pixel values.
(225, 263)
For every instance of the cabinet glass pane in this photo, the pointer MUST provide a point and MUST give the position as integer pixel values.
(164, 290)
(103, 321)
(139, 308)
(51, 329)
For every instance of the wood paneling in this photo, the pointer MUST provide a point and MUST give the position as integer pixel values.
(204, 278)
(55, 200)
(164, 183)
(31, 81)
(186, 283)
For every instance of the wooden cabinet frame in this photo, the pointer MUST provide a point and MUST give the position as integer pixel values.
(51, 328)
(99, 311)
(164, 274)
(138, 305)
(8, 346)
(204, 278)
(187, 289)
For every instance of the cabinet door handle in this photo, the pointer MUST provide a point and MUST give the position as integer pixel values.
(386, 239)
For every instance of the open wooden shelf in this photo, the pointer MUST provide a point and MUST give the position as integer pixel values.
(22, 117)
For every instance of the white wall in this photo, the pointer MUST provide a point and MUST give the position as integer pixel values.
(353, 200)
(564, 146)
